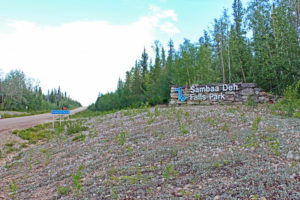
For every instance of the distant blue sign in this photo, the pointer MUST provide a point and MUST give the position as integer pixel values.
(60, 112)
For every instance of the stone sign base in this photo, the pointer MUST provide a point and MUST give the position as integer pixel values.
(235, 93)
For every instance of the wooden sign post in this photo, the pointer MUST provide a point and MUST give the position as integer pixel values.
(59, 112)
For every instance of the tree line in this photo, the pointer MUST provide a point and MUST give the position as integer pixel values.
(22, 94)
(261, 44)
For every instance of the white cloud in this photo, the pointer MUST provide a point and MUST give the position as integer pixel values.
(83, 57)
(169, 28)
(163, 13)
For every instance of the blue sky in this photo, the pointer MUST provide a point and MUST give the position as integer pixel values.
(193, 15)
(81, 38)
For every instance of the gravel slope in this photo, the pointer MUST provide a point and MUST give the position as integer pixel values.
(192, 152)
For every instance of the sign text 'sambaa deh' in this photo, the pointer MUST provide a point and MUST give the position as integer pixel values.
(236, 93)
(197, 92)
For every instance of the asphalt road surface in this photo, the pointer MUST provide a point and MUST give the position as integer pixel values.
(7, 125)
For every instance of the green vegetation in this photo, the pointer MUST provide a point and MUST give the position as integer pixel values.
(80, 137)
(274, 144)
(11, 147)
(18, 93)
(289, 105)
(13, 189)
(197, 196)
(36, 133)
(255, 124)
(62, 190)
(77, 185)
(226, 53)
(45, 132)
(47, 158)
(251, 102)
(183, 129)
(121, 138)
(76, 126)
(114, 194)
(169, 171)
(157, 161)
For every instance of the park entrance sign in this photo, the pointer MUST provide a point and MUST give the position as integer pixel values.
(235, 93)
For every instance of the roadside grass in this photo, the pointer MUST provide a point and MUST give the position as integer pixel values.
(42, 133)
(46, 132)
(6, 114)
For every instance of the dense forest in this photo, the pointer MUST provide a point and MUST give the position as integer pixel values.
(22, 94)
(259, 44)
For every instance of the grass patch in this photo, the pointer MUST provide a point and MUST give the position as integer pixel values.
(169, 172)
(63, 190)
(121, 138)
(79, 137)
(77, 185)
(76, 126)
(34, 134)
(13, 188)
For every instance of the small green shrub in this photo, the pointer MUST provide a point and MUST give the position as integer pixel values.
(19, 156)
(160, 137)
(77, 185)
(13, 190)
(151, 120)
(290, 104)
(129, 150)
(183, 129)
(11, 149)
(274, 144)
(114, 194)
(297, 115)
(76, 126)
(216, 165)
(231, 109)
(79, 137)
(211, 121)
(169, 171)
(178, 115)
(225, 127)
(47, 158)
(252, 141)
(187, 115)
(9, 144)
(121, 138)
(251, 102)
(174, 152)
(63, 190)
(255, 124)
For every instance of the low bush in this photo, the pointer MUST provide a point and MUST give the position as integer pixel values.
(289, 105)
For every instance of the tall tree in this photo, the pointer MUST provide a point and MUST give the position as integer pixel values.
(238, 40)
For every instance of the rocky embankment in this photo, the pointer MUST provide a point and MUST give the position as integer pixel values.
(188, 152)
